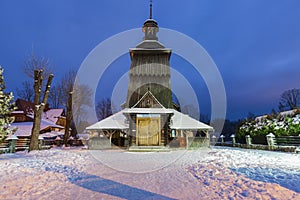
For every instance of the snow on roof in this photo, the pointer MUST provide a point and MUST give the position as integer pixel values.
(53, 114)
(259, 118)
(288, 113)
(11, 137)
(148, 110)
(52, 134)
(181, 121)
(24, 128)
(17, 112)
(115, 121)
(46, 122)
(284, 113)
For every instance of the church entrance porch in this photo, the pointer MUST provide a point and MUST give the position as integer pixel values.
(148, 130)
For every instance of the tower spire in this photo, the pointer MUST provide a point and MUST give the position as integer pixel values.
(150, 27)
(150, 9)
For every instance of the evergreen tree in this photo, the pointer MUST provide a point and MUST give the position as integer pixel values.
(6, 107)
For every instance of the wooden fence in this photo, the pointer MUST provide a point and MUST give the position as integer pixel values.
(288, 141)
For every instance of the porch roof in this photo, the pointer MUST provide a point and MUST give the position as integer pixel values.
(179, 120)
(115, 121)
(148, 111)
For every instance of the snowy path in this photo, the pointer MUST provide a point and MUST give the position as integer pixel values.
(216, 173)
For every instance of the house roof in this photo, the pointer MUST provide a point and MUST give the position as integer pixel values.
(179, 120)
(115, 121)
(53, 114)
(49, 118)
(24, 128)
(45, 121)
(26, 106)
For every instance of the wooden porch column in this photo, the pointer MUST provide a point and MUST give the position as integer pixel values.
(110, 133)
(186, 140)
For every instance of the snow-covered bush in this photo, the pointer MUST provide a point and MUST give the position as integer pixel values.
(281, 124)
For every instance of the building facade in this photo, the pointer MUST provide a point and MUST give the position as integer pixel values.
(150, 68)
(148, 117)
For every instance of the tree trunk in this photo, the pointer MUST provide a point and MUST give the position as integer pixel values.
(68, 119)
(77, 122)
(39, 107)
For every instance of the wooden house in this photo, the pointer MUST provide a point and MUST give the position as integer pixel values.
(53, 120)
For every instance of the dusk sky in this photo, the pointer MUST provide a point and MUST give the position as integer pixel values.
(254, 43)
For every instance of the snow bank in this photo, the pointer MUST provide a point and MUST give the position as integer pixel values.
(239, 173)
(218, 173)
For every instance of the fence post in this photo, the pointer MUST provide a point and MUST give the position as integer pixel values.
(271, 140)
(41, 141)
(248, 140)
(58, 141)
(12, 143)
(222, 139)
(213, 140)
(233, 139)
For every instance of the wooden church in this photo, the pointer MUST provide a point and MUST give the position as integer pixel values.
(149, 117)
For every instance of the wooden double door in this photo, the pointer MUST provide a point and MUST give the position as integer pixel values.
(148, 132)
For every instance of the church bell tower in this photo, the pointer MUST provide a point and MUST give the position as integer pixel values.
(150, 68)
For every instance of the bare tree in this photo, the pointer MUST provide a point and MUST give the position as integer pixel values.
(66, 92)
(66, 86)
(250, 116)
(104, 108)
(34, 62)
(82, 126)
(69, 118)
(81, 97)
(81, 100)
(55, 97)
(26, 92)
(289, 99)
(39, 106)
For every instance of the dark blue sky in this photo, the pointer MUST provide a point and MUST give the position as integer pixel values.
(254, 43)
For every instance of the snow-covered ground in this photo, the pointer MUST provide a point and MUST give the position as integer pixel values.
(217, 173)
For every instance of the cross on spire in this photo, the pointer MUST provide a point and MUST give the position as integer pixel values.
(150, 27)
(150, 9)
